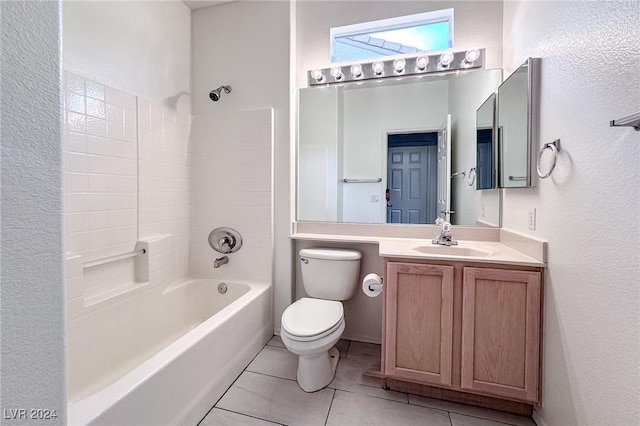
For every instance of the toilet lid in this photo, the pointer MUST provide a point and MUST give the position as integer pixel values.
(311, 317)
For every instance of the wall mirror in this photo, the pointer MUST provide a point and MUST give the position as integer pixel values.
(485, 144)
(517, 107)
(394, 151)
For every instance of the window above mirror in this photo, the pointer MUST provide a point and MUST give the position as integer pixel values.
(421, 32)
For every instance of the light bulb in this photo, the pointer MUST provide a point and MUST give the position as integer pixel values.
(317, 75)
(377, 67)
(336, 73)
(356, 70)
(422, 62)
(469, 58)
(445, 59)
(398, 65)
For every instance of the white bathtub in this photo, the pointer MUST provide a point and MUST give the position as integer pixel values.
(180, 383)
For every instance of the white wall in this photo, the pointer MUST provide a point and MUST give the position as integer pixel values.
(589, 209)
(140, 47)
(32, 372)
(246, 45)
(477, 24)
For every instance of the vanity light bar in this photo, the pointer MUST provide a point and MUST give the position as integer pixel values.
(418, 65)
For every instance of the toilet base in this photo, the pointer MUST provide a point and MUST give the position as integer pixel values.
(317, 371)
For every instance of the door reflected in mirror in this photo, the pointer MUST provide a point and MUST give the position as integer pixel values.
(485, 143)
(351, 139)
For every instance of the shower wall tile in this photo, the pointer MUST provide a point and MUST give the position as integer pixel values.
(127, 178)
(233, 187)
(164, 165)
(100, 173)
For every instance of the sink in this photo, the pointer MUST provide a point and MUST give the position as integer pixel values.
(452, 251)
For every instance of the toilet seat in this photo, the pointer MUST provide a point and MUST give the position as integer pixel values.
(311, 319)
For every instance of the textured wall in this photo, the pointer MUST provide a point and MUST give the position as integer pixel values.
(589, 210)
(32, 372)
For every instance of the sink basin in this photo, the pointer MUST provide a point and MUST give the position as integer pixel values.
(452, 251)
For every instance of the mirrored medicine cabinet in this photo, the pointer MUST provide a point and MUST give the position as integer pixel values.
(517, 126)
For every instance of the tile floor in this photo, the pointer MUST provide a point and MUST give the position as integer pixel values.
(267, 393)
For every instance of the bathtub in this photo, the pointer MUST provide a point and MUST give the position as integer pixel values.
(211, 341)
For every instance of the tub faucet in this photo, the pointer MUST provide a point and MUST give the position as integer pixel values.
(445, 234)
(220, 261)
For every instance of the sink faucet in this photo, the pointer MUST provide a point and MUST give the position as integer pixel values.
(220, 261)
(445, 234)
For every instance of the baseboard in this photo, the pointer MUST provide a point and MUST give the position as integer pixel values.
(539, 420)
(520, 408)
(353, 337)
(361, 338)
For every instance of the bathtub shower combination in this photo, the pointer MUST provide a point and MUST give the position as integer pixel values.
(203, 339)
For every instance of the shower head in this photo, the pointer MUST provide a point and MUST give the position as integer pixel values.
(215, 94)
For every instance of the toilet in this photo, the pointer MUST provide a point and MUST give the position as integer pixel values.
(313, 325)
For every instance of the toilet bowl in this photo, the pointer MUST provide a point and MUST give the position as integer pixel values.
(310, 329)
(313, 325)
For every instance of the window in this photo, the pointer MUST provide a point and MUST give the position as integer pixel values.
(405, 34)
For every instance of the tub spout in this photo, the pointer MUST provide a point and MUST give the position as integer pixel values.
(220, 261)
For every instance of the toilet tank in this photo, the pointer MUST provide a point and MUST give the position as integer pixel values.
(330, 273)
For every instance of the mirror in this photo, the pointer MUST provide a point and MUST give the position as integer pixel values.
(485, 142)
(367, 151)
(518, 126)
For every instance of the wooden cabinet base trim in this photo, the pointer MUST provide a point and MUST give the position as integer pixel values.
(514, 407)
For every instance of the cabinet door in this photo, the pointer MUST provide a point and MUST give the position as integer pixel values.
(419, 322)
(501, 332)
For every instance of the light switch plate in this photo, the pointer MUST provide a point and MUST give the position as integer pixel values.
(375, 199)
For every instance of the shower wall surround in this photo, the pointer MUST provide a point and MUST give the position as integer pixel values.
(233, 186)
(127, 179)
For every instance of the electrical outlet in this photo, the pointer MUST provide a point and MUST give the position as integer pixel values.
(375, 199)
(532, 219)
(484, 213)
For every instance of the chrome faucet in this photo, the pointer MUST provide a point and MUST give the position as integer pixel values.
(445, 234)
(220, 261)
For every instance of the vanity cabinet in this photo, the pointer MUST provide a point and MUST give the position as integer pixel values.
(419, 326)
(501, 332)
(467, 327)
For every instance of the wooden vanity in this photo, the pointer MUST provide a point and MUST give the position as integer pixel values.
(461, 323)
(464, 331)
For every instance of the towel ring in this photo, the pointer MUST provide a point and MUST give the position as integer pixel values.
(555, 148)
(471, 179)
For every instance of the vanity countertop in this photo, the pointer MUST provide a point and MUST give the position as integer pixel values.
(484, 246)
(471, 251)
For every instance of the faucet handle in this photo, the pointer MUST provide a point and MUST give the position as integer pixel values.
(228, 242)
